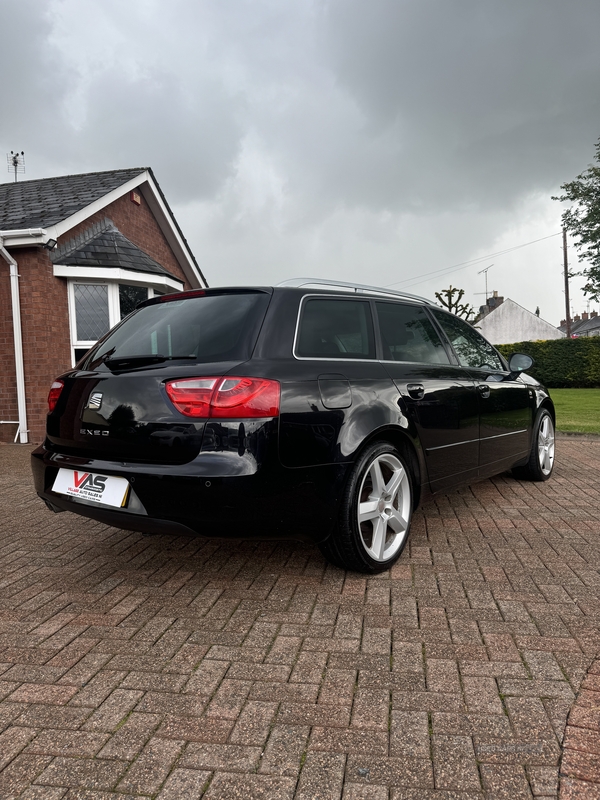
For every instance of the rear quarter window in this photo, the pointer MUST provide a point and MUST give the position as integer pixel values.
(335, 328)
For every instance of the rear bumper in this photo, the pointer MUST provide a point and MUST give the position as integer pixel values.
(215, 495)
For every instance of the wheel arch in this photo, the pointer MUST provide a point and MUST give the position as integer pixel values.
(548, 405)
(544, 401)
(407, 447)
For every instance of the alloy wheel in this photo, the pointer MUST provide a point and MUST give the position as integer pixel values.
(384, 507)
(546, 445)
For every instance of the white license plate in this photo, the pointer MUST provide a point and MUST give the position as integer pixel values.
(106, 489)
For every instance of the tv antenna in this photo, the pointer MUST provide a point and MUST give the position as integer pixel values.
(485, 271)
(16, 162)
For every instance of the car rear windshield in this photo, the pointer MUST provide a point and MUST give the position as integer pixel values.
(219, 327)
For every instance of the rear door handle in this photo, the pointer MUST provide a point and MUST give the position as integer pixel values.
(484, 390)
(416, 390)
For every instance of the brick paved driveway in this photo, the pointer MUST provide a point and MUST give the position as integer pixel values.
(168, 667)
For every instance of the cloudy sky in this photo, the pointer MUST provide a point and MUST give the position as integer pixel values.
(397, 142)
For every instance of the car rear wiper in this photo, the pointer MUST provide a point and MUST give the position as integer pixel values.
(122, 362)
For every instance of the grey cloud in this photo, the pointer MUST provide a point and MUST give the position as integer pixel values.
(189, 135)
(487, 100)
(318, 135)
(33, 79)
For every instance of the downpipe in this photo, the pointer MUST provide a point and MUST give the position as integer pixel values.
(18, 343)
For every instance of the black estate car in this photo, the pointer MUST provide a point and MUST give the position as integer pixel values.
(311, 410)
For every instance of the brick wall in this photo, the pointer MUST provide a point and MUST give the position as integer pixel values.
(45, 316)
(46, 338)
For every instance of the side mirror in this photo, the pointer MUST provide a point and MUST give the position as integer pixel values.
(518, 363)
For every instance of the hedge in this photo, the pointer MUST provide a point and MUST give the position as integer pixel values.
(561, 363)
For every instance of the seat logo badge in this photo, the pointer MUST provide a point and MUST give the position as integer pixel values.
(95, 400)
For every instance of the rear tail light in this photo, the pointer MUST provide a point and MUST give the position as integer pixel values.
(225, 397)
(54, 394)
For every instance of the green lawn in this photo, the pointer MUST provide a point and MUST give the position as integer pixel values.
(577, 410)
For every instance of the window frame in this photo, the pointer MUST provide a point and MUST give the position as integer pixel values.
(114, 308)
(455, 357)
(442, 337)
(326, 296)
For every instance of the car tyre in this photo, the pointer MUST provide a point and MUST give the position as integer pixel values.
(375, 512)
(541, 459)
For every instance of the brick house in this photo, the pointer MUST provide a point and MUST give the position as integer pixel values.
(77, 253)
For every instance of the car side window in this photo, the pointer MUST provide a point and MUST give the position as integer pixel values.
(471, 349)
(335, 328)
(407, 334)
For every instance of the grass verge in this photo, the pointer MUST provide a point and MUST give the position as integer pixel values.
(577, 410)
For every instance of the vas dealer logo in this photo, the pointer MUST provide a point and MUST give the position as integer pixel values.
(88, 481)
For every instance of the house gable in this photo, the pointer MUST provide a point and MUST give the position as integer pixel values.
(52, 207)
(510, 322)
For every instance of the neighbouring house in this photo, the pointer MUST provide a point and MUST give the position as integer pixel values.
(588, 324)
(508, 322)
(77, 254)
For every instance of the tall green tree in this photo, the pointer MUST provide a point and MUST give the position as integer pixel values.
(582, 221)
(450, 299)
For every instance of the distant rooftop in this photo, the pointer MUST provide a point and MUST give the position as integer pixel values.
(43, 203)
(582, 325)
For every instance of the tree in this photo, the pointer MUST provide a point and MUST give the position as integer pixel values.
(450, 299)
(582, 221)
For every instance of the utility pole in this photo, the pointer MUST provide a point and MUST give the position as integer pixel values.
(566, 267)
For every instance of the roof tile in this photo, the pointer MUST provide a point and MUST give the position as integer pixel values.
(45, 202)
(104, 246)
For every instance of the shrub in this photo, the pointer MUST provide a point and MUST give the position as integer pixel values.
(561, 363)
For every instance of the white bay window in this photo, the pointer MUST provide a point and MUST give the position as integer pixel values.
(96, 306)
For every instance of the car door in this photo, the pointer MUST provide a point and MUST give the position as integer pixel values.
(505, 403)
(440, 397)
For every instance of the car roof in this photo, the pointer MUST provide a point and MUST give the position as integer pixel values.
(354, 288)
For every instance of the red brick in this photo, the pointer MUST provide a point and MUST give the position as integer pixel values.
(113, 710)
(151, 767)
(41, 693)
(581, 765)
(284, 749)
(12, 741)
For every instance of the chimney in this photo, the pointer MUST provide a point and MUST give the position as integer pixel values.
(562, 322)
(576, 318)
(494, 301)
(594, 314)
(584, 315)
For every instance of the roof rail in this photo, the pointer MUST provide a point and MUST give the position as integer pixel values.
(359, 288)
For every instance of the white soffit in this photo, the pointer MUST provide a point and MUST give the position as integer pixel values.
(115, 274)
